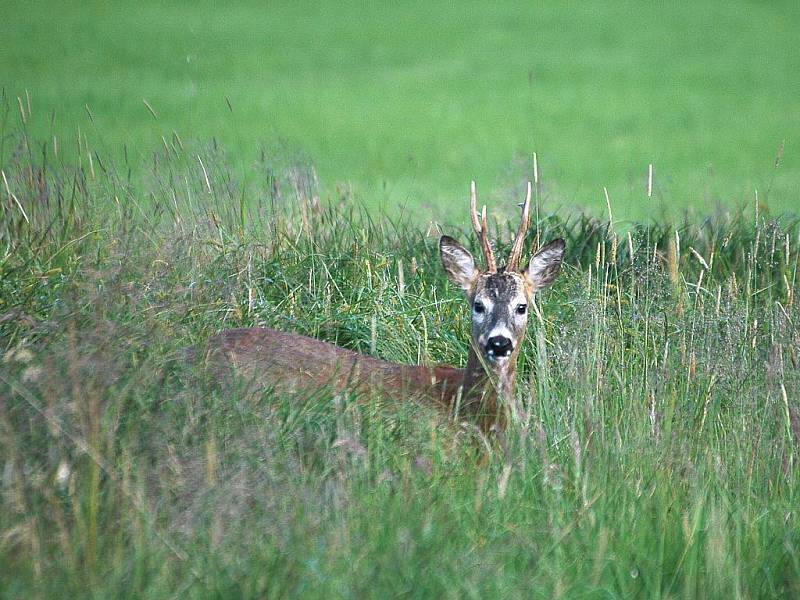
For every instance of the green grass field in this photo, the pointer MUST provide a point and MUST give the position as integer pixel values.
(408, 102)
(657, 456)
(658, 450)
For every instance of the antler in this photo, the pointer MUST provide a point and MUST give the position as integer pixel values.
(516, 249)
(481, 230)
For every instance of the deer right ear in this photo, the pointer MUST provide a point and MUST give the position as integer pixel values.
(458, 263)
(544, 265)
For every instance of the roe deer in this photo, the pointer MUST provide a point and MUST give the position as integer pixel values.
(498, 299)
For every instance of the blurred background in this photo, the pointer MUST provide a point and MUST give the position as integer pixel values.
(405, 102)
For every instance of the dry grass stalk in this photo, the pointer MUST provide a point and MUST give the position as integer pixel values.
(672, 262)
(699, 258)
(150, 109)
(630, 246)
(22, 111)
(205, 174)
(401, 278)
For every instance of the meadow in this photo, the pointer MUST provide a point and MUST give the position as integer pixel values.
(407, 102)
(657, 455)
(168, 171)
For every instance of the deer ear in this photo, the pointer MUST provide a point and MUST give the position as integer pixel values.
(457, 262)
(544, 265)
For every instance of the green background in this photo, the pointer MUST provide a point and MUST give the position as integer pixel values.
(408, 101)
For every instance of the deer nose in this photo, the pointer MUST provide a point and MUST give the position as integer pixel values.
(499, 345)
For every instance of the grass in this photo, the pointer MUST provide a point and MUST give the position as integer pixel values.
(661, 459)
(409, 102)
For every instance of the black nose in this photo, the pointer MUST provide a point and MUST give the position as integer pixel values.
(499, 345)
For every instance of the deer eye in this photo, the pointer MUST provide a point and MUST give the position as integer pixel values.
(522, 309)
(479, 307)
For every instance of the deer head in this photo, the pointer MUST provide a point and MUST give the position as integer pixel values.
(499, 298)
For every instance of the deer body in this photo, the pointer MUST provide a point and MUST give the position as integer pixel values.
(482, 391)
(259, 355)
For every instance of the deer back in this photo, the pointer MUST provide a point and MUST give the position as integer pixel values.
(290, 361)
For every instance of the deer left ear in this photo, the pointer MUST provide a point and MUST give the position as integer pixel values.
(544, 265)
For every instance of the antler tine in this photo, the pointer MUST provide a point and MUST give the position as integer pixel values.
(481, 230)
(516, 249)
(473, 209)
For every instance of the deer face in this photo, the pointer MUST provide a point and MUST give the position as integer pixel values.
(499, 300)
(499, 315)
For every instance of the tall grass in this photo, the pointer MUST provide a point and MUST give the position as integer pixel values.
(658, 458)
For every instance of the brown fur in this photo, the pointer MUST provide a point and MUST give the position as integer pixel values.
(289, 361)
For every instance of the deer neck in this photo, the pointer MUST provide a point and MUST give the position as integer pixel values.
(487, 391)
